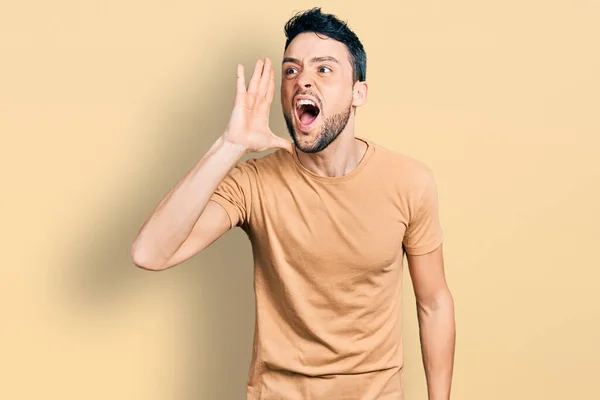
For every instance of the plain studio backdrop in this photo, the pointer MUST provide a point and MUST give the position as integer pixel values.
(104, 105)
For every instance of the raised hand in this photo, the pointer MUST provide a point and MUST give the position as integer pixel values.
(249, 123)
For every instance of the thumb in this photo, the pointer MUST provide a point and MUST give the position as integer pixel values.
(282, 144)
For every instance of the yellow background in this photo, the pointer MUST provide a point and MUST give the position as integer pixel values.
(104, 105)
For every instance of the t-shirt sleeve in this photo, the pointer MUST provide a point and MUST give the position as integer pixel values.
(234, 194)
(424, 232)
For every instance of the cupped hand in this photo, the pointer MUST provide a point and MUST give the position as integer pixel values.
(248, 125)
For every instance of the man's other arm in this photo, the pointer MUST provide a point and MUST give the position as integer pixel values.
(435, 311)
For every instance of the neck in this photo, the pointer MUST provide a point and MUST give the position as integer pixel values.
(339, 158)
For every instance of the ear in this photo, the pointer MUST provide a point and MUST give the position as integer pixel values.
(359, 96)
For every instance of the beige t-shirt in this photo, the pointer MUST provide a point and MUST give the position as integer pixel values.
(328, 261)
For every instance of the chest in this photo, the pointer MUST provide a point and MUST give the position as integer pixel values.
(353, 231)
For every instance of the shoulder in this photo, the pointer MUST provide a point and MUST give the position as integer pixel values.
(266, 165)
(409, 171)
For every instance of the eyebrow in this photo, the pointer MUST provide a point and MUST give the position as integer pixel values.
(313, 60)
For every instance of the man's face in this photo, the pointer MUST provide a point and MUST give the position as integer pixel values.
(316, 90)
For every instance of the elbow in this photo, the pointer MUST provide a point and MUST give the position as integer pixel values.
(141, 260)
(436, 303)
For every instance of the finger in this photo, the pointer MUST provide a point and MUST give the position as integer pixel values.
(265, 78)
(253, 85)
(270, 92)
(271, 87)
(240, 89)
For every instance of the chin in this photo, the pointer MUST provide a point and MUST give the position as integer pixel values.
(324, 132)
(308, 142)
(314, 141)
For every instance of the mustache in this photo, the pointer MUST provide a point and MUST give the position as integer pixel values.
(307, 93)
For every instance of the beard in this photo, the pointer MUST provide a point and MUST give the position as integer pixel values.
(331, 128)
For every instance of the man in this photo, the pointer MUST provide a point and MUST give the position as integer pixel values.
(330, 218)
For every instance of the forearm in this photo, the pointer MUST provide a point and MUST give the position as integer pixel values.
(437, 334)
(174, 217)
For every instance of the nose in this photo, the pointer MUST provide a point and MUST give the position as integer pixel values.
(304, 80)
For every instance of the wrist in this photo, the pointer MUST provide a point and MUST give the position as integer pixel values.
(224, 145)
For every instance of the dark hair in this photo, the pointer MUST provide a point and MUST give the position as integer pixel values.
(314, 20)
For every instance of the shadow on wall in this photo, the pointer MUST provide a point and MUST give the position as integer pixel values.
(214, 288)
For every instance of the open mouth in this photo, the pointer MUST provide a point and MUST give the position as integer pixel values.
(307, 112)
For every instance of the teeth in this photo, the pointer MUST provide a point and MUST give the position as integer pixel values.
(305, 102)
